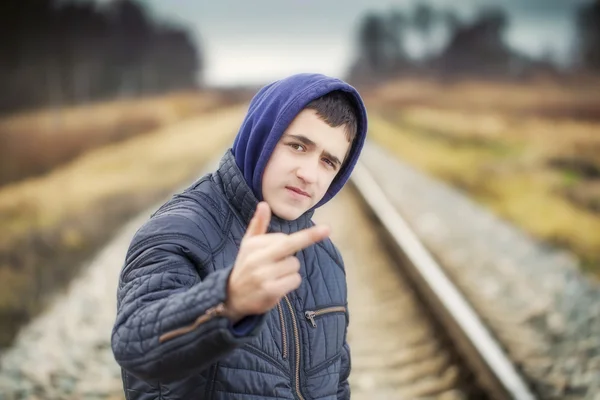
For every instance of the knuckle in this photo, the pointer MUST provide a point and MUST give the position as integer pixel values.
(296, 280)
(266, 286)
(271, 294)
(293, 263)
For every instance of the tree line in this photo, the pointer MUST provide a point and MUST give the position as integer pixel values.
(63, 52)
(474, 48)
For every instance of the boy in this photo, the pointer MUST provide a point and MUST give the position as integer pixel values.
(230, 291)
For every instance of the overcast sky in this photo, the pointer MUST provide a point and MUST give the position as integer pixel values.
(249, 42)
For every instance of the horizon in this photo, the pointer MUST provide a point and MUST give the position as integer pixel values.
(277, 42)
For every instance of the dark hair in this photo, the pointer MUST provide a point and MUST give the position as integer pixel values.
(336, 109)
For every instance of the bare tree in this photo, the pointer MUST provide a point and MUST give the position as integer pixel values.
(588, 24)
(55, 53)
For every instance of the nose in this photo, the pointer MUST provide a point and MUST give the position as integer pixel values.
(307, 171)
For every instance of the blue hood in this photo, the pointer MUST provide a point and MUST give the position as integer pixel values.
(271, 111)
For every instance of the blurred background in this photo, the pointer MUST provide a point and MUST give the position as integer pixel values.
(106, 107)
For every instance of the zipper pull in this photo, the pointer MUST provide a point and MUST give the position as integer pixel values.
(310, 315)
(215, 311)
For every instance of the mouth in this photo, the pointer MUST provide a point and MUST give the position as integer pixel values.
(297, 190)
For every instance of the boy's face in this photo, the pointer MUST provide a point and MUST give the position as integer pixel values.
(303, 164)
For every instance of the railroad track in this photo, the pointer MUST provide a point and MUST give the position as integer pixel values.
(412, 333)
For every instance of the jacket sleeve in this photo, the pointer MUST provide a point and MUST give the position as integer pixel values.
(168, 322)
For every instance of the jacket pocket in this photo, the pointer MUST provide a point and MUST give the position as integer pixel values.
(325, 329)
(312, 316)
(211, 313)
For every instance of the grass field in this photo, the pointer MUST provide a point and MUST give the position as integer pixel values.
(32, 143)
(51, 223)
(530, 153)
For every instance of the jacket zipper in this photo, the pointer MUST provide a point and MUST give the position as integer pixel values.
(283, 331)
(311, 315)
(207, 316)
(297, 341)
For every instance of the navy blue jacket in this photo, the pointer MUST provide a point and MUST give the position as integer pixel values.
(169, 337)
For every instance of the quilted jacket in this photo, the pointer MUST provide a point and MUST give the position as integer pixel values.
(169, 337)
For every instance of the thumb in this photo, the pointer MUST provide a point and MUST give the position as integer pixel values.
(260, 221)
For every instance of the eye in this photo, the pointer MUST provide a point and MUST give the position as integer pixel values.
(296, 146)
(329, 162)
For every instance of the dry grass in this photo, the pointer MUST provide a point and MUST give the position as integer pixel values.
(536, 170)
(153, 160)
(53, 222)
(34, 142)
(543, 98)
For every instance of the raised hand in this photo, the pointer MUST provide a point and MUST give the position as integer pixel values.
(266, 269)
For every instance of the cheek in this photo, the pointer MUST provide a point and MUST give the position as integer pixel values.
(271, 172)
(325, 182)
(279, 163)
(267, 180)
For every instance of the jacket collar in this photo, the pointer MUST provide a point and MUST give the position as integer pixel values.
(238, 193)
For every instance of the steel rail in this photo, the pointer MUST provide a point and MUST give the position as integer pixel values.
(485, 357)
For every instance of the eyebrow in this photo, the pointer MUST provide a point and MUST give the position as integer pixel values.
(309, 143)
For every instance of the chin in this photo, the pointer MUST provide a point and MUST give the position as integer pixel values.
(287, 212)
